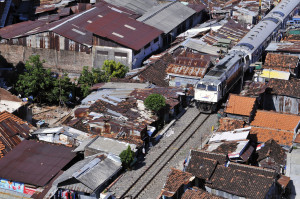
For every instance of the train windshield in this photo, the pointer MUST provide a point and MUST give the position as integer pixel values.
(201, 86)
(211, 88)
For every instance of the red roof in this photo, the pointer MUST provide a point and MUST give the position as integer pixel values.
(123, 30)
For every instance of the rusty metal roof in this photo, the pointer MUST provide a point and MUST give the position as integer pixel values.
(123, 30)
(19, 29)
(35, 163)
(190, 71)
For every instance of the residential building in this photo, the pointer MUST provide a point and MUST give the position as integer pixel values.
(87, 178)
(229, 124)
(13, 130)
(176, 184)
(197, 193)
(280, 127)
(241, 107)
(281, 96)
(85, 43)
(271, 155)
(31, 166)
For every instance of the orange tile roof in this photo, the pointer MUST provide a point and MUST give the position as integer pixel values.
(240, 105)
(270, 119)
(264, 134)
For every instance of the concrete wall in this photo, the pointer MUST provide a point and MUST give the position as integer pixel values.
(70, 61)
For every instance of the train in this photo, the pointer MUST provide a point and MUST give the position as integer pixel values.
(219, 81)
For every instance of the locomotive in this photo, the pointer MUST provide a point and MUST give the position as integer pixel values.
(230, 70)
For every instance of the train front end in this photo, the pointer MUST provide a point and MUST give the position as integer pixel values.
(207, 95)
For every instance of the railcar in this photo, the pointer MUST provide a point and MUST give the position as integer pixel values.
(220, 80)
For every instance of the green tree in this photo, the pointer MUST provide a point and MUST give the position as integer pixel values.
(113, 69)
(88, 78)
(127, 157)
(62, 87)
(36, 80)
(155, 102)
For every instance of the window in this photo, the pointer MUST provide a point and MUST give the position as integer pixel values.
(156, 40)
(201, 86)
(148, 45)
(211, 88)
(136, 52)
(119, 54)
(99, 52)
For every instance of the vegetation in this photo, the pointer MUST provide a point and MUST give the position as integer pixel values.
(35, 81)
(127, 157)
(88, 78)
(155, 102)
(112, 69)
(45, 87)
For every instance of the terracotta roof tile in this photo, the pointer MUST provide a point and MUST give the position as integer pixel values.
(271, 155)
(281, 62)
(176, 179)
(240, 105)
(197, 193)
(243, 180)
(273, 120)
(285, 87)
(264, 134)
(230, 124)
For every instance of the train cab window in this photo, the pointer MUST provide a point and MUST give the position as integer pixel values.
(211, 88)
(201, 86)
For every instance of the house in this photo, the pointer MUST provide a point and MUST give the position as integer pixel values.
(226, 179)
(202, 164)
(233, 144)
(13, 130)
(271, 155)
(281, 96)
(237, 180)
(176, 184)
(14, 105)
(30, 166)
(197, 193)
(229, 124)
(138, 6)
(282, 62)
(85, 43)
(284, 47)
(87, 178)
(62, 135)
(240, 107)
(172, 18)
(278, 126)
(106, 145)
(188, 68)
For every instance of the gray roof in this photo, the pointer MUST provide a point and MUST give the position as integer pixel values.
(88, 174)
(122, 85)
(110, 146)
(138, 6)
(200, 47)
(167, 16)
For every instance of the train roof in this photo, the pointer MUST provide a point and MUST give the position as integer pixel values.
(217, 73)
(257, 35)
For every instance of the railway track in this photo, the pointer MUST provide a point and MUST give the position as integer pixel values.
(153, 170)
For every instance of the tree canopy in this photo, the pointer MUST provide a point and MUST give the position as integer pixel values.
(127, 157)
(35, 81)
(155, 102)
(112, 69)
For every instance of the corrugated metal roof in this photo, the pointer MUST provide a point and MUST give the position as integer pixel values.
(186, 70)
(35, 163)
(9, 194)
(167, 16)
(88, 180)
(269, 73)
(123, 30)
(237, 134)
(138, 6)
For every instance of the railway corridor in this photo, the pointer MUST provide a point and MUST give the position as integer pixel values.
(147, 181)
